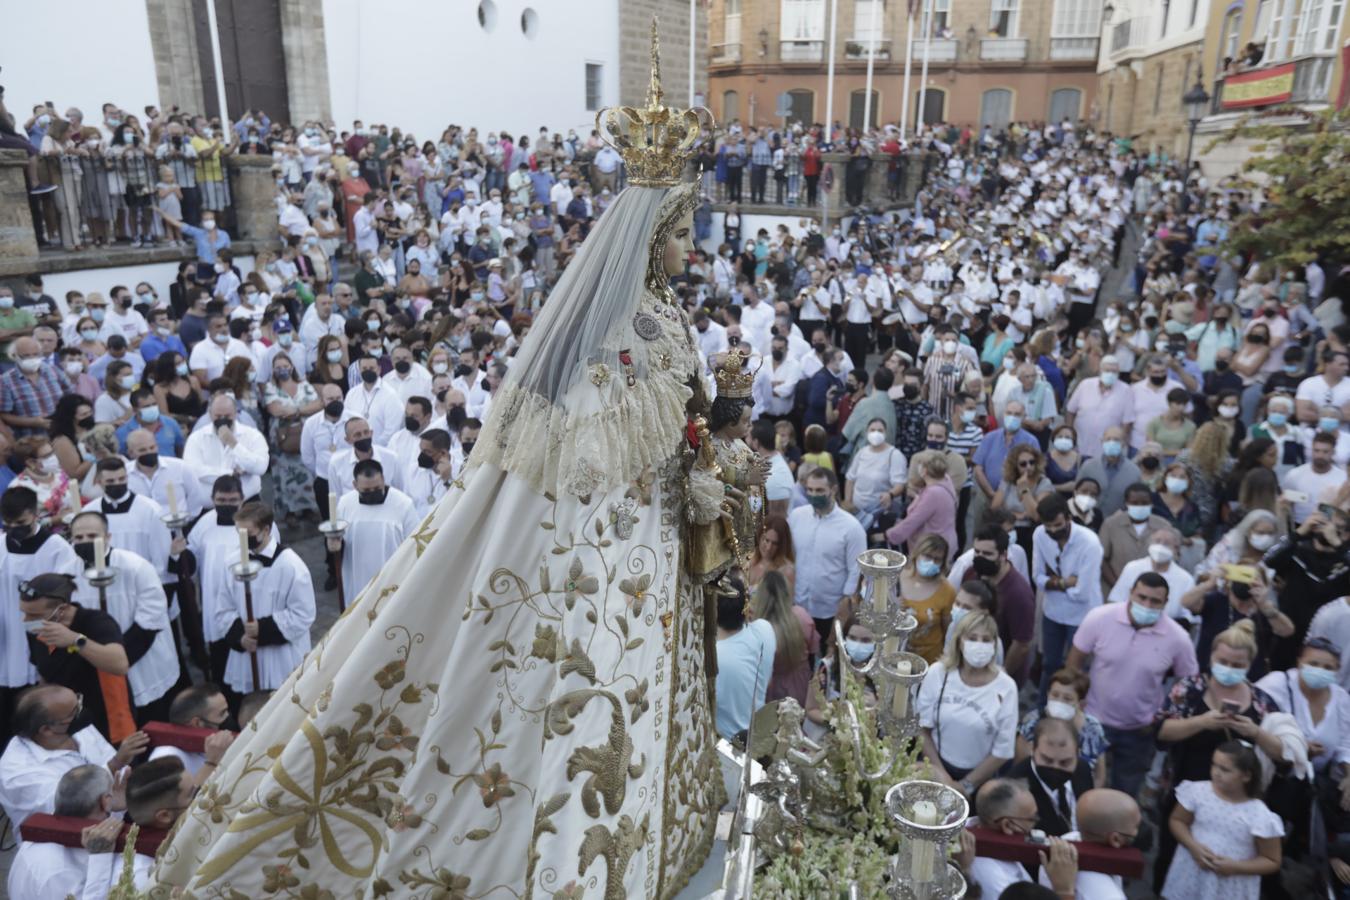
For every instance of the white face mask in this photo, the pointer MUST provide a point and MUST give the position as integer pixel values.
(1160, 553)
(1262, 542)
(1228, 412)
(977, 654)
(1086, 502)
(51, 465)
(876, 438)
(949, 347)
(1058, 709)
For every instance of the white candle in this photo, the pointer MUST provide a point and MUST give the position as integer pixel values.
(243, 545)
(98, 553)
(921, 852)
(900, 702)
(881, 586)
(332, 507)
(173, 499)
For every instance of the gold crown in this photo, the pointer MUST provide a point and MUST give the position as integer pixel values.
(657, 140)
(732, 379)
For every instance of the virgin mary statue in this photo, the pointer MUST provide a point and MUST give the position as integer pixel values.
(517, 705)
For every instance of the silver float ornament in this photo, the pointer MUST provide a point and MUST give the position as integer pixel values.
(898, 677)
(880, 612)
(929, 816)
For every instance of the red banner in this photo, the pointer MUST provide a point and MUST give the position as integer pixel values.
(1260, 87)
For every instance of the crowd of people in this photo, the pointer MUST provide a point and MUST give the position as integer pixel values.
(1125, 513)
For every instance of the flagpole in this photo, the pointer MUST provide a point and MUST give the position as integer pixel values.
(923, 77)
(871, 58)
(909, 52)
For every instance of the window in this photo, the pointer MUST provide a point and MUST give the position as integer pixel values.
(803, 20)
(996, 108)
(1167, 11)
(594, 76)
(803, 106)
(856, 102)
(1157, 89)
(1317, 26)
(930, 105)
(1195, 8)
(1228, 38)
(863, 32)
(941, 12)
(731, 106)
(1076, 18)
(1066, 103)
(1003, 18)
(487, 15)
(1262, 27)
(731, 29)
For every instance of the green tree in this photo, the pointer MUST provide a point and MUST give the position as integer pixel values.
(1304, 176)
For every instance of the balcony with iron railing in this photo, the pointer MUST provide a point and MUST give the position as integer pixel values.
(801, 51)
(858, 48)
(1065, 49)
(1130, 36)
(940, 50)
(1311, 84)
(1003, 49)
(724, 54)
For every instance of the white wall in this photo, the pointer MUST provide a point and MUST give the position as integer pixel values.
(78, 53)
(158, 275)
(460, 73)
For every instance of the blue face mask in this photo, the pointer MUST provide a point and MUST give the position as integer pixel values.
(1316, 678)
(1112, 448)
(958, 613)
(858, 651)
(150, 414)
(927, 568)
(1278, 419)
(1227, 675)
(1139, 513)
(1327, 423)
(1293, 369)
(1012, 422)
(1144, 615)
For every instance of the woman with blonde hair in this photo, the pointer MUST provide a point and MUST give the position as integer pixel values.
(814, 450)
(932, 511)
(795, 637)
(927, 593)
(1024, 484)
(1208, 462)
(773, 553)
(968, 708)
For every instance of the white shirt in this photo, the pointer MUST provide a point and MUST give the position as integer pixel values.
(968, 723)
(208, 356)
(29, 774)
(293, 219)
(283, 592)
(712, 341)
(425, 487)
(313, 329)
(55, 555)
(1091, 885)
(363, 224)
(417, 383)
(136, 597)
(1317, 392)
(207, 458)
(341, 463)
(320, 438)
(373, 534)
(756, 325)
(211, 544)
(379, 406)
(129, 324)
(43, 871)
(1319, 488)
(827, 557)
(138, 527)
(188, 497)
(1081, 556)
(1179, 581)
(776, 400)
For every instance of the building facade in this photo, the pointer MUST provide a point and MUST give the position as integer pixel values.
(419, 64)
(1151, 55)
(989, 61)
(1272, 60)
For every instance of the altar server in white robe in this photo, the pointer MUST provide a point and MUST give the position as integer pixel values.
(283, 607)
(378, 519)
(28, 550)
(361, 445)
(137, 602)
(406, 442)
(432, 472)
(210, 541)
(135, 522)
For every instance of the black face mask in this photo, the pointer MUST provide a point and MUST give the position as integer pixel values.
(229, 723)
(148, 460)
(85, 551)
(364, 445)
(911, 391)
(1149, 463)
(86, 423)
(984, 567)
(455, 416)
(937, 445)
(115, 491)
(78, 724)
(372, 498)
(333, 409)
(411, 423)
(1143, 838)
(370, 376)
(1221, 365)
(1157, 379)
(254, 542)
(403, 367)
(1054, 778)
(223, 422)
(468, 447)
(225, 513)
(778, 355)
(424, 461)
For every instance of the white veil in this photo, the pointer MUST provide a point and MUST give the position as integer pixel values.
(567, 418)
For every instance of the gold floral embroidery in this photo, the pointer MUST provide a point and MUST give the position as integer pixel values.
(600, 374)
(616, 848)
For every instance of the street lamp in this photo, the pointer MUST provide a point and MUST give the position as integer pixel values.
(1196, 101)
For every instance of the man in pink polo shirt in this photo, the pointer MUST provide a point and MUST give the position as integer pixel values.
(1133, 649)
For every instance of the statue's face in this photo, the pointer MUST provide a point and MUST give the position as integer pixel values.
(679, 245)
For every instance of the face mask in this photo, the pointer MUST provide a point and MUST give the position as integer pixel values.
(1292, 369)
(51, 465)
(85, 551)
(1278, 419)
(370, 376)
(181, 369)
(74, 368)
(440, 368)
(149, 415)
(89, 335)
(1112, 448)
(30, 365)
(1261, 542)
(1058, 709)
(959, 612)
(424, 461)
(1160, 553)
(1177, 485)
(1228, 411)
(372, 498)
(1316, 678)
(209, 224)
(977, 654)
(1009, 363)
(126, 382)
(911, 391)
(1108, 378)
(949, 347)
(1144, 615)
(115, 491)
(1063, 444)
(1327, 423)
(967, 416)
(1139, 513)
(222, 338)
(1157, 379)
(1227, 675)
(363, 445)
(818, 501)
(1054, 779)
(858, 651)
(927, 568)
(334, 356)
(876, 438)
(148, 460)
(1012, 422)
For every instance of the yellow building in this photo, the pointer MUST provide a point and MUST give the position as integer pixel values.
(1271, 59)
